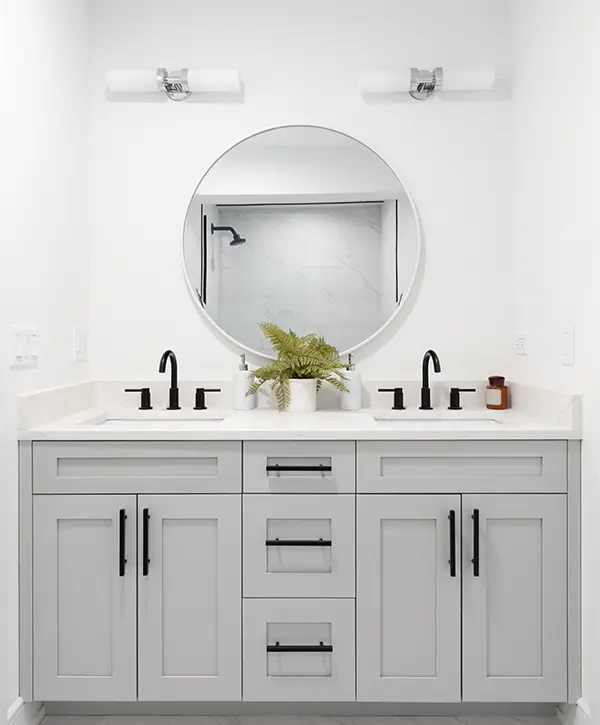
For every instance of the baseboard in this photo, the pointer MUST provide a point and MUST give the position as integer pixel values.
(302, 709)
(25, 713)
(578, 714)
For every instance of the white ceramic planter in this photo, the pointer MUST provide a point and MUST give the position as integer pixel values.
(303, 396)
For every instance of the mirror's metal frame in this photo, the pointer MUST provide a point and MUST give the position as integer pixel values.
(400, 305)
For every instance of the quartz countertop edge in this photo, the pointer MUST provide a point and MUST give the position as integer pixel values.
(322, 425)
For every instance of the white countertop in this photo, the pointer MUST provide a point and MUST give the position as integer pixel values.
(131, 425)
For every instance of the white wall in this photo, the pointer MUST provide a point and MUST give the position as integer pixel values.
(556, 252)
(43, 255)
(148, 156)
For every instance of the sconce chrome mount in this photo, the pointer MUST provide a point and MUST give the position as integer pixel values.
(174, 83)
(424, 83)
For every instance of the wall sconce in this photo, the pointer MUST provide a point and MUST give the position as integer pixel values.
(423, 84)
(177, 85)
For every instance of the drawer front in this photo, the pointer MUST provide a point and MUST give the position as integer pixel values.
(299, 649)
(299, 546)
(125, 467)
(461, 466)
(299, 467)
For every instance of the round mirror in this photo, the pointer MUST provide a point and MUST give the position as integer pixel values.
(304, 227)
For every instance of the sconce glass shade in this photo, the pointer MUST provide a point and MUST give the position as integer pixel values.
(147, 81)
(463, 79)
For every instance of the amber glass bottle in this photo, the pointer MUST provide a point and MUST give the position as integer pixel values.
(496, 393)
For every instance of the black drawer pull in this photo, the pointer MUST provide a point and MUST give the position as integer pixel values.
(452, 561)
(298, 542)
(299, 469)
(299, 647)
(145, 542)
(475, 559)
(122, 559)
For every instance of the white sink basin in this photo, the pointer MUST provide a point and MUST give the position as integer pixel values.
(158, 420)
(395, 422)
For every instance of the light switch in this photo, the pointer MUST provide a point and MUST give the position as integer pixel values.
(568, 346)
(79, 344)
(24, 347)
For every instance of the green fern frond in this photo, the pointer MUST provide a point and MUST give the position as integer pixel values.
(298, 358)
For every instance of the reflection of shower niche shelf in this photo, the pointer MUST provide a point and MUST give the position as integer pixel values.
(360, 195)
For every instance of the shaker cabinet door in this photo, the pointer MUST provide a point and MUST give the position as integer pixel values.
(408, 598)
(190, 607)
(514, 598)
(84, 598)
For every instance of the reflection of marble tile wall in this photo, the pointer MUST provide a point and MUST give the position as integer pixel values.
(312, 269)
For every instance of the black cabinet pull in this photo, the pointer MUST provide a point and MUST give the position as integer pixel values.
(122, 559)
(299, 647)
(475, 559)
(452, 561)
(145, 542)
(279, 468)
(298, 542)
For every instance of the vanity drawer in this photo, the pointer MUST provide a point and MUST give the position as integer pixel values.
(127, 467)
(299, 650)
(461, 466)
(299, 467)
(283, 553)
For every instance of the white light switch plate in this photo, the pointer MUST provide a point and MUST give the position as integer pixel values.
(568, 346)
(79, 344)
(24, 347)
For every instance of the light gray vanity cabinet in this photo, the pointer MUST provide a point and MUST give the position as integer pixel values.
(408, 599)
(515, 609)
(136, 578)
(84, 618)
(189, 597)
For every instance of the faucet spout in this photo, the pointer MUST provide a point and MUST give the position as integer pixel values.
(169, 356)
(425, 389)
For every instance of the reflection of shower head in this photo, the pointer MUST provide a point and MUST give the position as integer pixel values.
(236, 237)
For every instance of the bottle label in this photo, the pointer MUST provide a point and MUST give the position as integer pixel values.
(493, 396)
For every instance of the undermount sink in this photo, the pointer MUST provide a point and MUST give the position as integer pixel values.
(163, 419)
(391, 421)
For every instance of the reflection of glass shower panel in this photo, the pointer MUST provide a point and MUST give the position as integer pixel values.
(311, 268)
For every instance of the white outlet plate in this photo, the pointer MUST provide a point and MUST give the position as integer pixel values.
(520, 344)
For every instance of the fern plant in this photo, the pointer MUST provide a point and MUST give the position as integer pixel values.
(298, 358)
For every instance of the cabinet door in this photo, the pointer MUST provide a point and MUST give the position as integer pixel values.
(84, 598)
(189, 570)
(408, 598)
(515, 601)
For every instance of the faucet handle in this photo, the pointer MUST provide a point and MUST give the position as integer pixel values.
(201, 398)
(146, 402)
(455, 397)
(398, 397)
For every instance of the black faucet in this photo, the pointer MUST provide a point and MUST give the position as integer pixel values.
(425, 389)
(174, 389)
